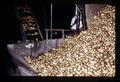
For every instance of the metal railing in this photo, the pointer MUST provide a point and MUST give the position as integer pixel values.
(62, 30)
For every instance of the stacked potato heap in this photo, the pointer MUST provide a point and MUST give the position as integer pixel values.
(91, 53)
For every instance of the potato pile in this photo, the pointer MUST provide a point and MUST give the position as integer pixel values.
(91, 53)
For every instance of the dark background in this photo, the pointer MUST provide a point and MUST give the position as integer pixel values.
(63, 11)
(62, 15)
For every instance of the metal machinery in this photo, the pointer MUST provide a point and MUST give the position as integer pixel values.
(28, 25)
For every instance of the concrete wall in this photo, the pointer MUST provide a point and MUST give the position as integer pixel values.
(92, 10)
